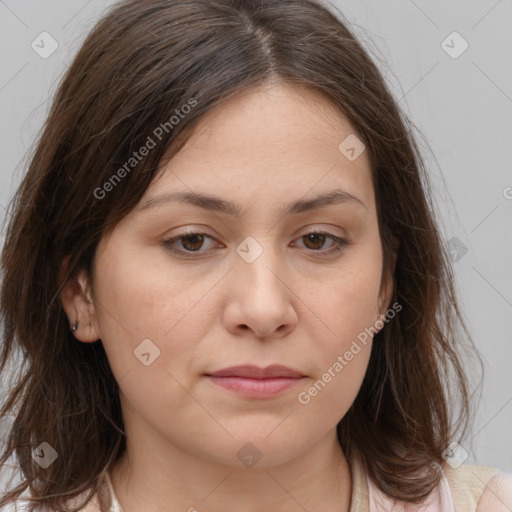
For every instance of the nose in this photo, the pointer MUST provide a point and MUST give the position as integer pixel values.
(261, 298)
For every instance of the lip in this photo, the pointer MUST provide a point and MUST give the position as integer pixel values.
(255, 372)
(255, 382)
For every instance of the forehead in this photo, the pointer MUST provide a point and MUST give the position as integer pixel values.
(276, 116)
(276, 140)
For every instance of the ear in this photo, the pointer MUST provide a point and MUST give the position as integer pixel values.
(386, 286)
(78, 304)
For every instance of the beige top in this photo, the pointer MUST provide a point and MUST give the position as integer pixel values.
(465, 489)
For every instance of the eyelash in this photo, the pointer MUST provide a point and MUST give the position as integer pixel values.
(340, 243)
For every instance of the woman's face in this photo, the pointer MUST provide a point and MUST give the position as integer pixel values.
(253, 289)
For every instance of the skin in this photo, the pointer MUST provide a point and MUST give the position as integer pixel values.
(295, 305)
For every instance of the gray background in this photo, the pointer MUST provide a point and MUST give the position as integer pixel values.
(462, 106)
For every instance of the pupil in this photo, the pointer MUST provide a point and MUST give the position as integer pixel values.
(195, 239)
(314, 237)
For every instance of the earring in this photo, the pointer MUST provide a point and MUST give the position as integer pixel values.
(74, 327)
(89, 324)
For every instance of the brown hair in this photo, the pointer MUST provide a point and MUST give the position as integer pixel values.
(141, 63)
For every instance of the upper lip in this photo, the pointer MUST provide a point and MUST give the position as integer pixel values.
(255, 372)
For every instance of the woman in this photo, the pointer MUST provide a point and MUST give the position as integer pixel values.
(224, 272)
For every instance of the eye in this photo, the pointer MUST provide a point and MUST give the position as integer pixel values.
(192, 242)
(316, 239)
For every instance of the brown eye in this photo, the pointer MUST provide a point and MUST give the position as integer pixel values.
(190, 243)
(315, 242)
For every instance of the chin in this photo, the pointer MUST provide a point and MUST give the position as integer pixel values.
(264, 448)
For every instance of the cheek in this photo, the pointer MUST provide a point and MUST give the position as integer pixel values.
(348, 308)
(342, 346)
(348, 300)
(141, 300)
(149, 329)
(139, 294)
(333, 390)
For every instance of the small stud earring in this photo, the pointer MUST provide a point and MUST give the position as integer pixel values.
(74, 327)
(89, 324)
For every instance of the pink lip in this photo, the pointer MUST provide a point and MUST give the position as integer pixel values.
(256, 382)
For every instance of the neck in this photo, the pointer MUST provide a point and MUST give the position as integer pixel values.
(172, 480)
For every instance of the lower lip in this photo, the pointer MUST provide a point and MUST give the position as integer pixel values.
(256, 388)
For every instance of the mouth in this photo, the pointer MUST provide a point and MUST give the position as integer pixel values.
(255, 382)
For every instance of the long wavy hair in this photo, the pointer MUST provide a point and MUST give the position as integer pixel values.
(140, 64)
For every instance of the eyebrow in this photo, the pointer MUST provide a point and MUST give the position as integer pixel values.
(216, 204)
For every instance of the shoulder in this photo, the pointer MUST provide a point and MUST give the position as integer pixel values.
(22, 504)
(479, 488)
(497, 495)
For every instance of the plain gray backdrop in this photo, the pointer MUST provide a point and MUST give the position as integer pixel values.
(448, 63)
